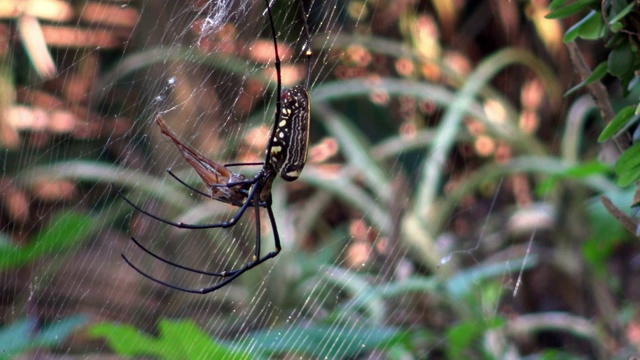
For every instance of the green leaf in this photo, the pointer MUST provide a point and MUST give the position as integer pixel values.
(598, 73)
(579, 171)
(590, 27)
(556, 4)
(616, 27)
(64, 230)
(624, 12)
(605, 233)
(325, 341)
(621, 60)
(568, 10)
(628, 166)
(177, 340)
(461, 337)
(127, 340)
(24, 335)
(622, 118)
(195, 343)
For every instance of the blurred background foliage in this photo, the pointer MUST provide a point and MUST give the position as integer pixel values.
(468, 193)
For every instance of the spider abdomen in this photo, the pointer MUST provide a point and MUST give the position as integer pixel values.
(290, 138)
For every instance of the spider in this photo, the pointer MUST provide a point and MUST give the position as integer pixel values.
(286, 155)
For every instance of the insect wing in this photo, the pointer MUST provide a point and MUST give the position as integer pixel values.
(209, 171)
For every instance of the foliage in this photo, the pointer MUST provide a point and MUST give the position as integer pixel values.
(26, 334)
(65, 230)
(184, 340)
(315, 340)
(613, 21)
(176, 340)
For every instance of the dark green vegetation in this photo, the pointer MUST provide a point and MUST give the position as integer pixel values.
(457, 201)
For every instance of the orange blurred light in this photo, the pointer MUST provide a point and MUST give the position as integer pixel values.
(323, 151)
(109, 15)
(379, 97)
(532, 94)
(408, 129)
(529, 121)
(358, 55)
(262, 51)
(257, 137)
(474, 127)
(358, 253)
(54, 190)
(485, 145)
(503, 152)
(404, 67)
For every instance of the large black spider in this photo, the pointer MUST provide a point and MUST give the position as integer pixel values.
(286, 155)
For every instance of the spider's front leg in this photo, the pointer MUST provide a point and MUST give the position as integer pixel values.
(244, 164)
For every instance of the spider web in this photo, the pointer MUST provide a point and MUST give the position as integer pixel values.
(361, 264)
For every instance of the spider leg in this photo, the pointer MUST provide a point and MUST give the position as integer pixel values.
(227, 185)
(308, 54)
(267, 160)
(183, 267)
(229, 275)
(276, 236)
(175, 287)
(239, 182)
(243, 164)
(181, 225)
(187, 185)
(256, 254)
(257, 260)
(231, 184)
